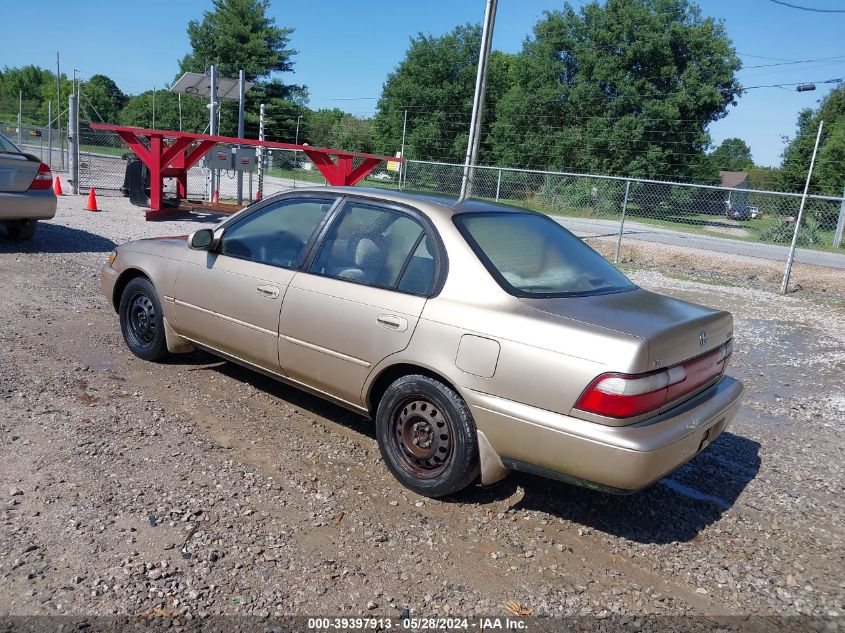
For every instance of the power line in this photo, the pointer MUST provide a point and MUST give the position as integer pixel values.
(796, 6)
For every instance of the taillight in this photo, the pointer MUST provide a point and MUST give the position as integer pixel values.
(43, 179)
(628, 395)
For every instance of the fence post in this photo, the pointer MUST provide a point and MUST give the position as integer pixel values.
(840, 224)
(800, 218)
(50, 134)
(73, 142)
(402, 150)
(622, 221)
(261, 151)
(498, 185)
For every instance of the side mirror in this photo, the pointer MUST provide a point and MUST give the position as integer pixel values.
(201, 240)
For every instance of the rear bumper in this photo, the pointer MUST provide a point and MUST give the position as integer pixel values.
(28, 205)
(616, 458)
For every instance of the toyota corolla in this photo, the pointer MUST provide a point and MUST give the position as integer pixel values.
(480, 338)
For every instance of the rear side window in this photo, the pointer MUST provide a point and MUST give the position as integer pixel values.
(7, 146)
(277, 234)
(532, 255)
(376, 246)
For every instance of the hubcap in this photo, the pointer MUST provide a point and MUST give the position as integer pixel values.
(142, 319)
(423, 438)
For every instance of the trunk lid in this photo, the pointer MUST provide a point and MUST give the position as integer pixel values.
(674, 330)
(17, 171)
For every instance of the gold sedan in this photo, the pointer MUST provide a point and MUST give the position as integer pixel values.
(480, 338)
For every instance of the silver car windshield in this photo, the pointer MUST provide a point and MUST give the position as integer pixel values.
(531, 255)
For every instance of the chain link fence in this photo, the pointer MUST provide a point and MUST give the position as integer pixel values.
(629, 219)
(39, 141)
(735, 231)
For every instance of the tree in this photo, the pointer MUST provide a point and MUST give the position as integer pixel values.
(435, 83)
(319, 127)
(27, 82)
(101, 100)
(828, 174)
(625, 87)
(238, 35)
(733, 154)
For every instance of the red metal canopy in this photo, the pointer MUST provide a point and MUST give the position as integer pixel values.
(174, 159)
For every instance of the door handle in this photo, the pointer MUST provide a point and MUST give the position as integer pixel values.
(271, 292)
(393, 322)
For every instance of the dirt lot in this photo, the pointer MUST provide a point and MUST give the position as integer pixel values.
(200, 488)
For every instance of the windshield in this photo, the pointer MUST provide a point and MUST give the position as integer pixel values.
(532, 255)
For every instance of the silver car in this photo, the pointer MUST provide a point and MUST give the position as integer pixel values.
(481, 338)
(26, 192)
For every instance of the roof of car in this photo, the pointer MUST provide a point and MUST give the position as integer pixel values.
(428, 202)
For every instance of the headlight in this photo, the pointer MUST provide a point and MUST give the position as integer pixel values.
(112, 257)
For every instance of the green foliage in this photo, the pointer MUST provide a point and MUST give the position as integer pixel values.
(334, 128)
(435, 84)
(828, 175)
(763, 178)
(38, 86)
(733, 154)
(101, 100)
(238, 35)
(782, 232)
(621, 87)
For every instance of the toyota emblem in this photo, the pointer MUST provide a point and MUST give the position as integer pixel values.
(702, 339)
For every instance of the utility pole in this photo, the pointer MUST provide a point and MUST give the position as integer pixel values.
(212, 123)
(179, 98)
(241, 105)
(402, 149)
(73, 138)
(50, 134)
(478, 99)
(154, 108)
(800, 218)
(20, 117)
(261, 151)
(59, 106)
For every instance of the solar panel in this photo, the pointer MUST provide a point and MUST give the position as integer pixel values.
(199, 85)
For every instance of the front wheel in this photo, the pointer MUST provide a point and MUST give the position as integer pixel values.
(427, 436)
(141, 320)
(21, 229)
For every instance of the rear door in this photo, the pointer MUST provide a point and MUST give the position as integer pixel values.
(17, 170)
(230, 299)
(359, 300)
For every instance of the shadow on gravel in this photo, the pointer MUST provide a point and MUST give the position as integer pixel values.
(54, 238)
(675, 509)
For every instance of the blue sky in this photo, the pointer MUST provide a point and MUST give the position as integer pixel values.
(347, 48)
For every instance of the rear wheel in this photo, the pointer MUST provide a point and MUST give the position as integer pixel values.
(21, 229)
(141, 320)
(427, 436)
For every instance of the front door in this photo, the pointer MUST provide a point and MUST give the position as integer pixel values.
(359, 301)
(230, 299)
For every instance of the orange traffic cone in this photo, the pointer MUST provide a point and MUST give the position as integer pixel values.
(215, 197)
(57, 187)
(92, 201)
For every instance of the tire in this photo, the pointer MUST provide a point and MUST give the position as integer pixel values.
(427, 436)
(141, 320)
(21, 229)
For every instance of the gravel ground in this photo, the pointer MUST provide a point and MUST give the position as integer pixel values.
(198, 488)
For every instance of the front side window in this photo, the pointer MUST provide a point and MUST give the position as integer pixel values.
(277, 234)
(532, 255)
(376, 246)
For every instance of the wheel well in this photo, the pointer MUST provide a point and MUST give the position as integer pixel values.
(393, 373)
(125, 277)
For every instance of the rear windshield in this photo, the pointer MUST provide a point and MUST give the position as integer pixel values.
(531, 255)
(7, 146)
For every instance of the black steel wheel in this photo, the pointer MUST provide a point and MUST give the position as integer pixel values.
(141, 320)
(427, 436)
